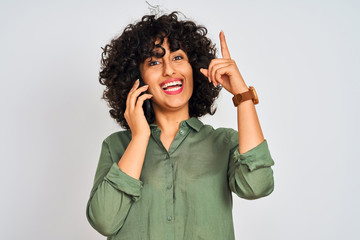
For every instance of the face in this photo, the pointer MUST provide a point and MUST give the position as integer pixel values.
(170, 79)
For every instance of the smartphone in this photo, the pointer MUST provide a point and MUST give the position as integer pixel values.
(147, 107)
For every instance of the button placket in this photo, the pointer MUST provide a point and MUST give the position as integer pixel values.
(168, 186)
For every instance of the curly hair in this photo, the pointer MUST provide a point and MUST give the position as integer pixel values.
(121, 59)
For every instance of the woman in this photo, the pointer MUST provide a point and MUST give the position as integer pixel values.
(169, 176)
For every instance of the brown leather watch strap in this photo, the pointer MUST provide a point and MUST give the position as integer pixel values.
(248, 95)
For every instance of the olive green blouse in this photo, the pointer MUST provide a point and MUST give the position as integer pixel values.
(183, 193)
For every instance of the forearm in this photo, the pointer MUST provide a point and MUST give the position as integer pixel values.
(114, 191)
(133, 158)
(249, 129)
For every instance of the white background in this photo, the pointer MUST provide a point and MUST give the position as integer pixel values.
(303, 57)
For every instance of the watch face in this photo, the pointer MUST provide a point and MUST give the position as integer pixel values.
(255, 99)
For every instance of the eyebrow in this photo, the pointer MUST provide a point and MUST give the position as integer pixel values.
(157, 53)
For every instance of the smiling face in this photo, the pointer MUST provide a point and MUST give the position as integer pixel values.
(170, 80)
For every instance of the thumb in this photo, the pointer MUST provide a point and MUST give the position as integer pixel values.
(204, 71)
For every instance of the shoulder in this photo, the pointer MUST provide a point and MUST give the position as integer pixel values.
(222, 134)
(117, 142)
(230, 134)
(119, 137)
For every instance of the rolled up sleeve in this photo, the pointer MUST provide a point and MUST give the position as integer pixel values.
(112, 195)
(250, 174)
(124, 183)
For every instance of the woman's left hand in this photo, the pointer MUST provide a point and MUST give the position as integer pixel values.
(224, 71)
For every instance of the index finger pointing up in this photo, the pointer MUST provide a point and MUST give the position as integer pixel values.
(224, 49)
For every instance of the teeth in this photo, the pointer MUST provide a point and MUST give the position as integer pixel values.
(173, 89)
(169, 84)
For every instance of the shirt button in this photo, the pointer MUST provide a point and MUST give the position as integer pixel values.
(169, 218)
(169, 186)
(181, 131)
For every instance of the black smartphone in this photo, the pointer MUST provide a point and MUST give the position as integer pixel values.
(147, 107)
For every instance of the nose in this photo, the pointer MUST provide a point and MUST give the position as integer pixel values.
(168, 68)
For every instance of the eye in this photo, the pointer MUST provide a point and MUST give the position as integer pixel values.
(178, 57)
(153, 63)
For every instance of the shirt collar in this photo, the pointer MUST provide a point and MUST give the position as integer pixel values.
(192, 122)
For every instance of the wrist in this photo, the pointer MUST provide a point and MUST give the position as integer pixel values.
(140, 137)
(240, 89)
(250, 94)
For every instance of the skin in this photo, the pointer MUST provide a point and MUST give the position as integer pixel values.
(154, 71)
(225, 72)
(170, 110)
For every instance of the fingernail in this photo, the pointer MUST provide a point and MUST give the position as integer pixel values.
(137, 81)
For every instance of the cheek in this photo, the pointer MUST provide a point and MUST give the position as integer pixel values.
(144, 77)
(147, 77)
(190, 77)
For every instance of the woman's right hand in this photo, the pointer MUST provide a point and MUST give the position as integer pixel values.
(134, 113)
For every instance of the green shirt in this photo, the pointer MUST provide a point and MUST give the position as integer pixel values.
(183, 193)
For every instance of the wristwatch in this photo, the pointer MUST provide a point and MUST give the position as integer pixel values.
(241, 97)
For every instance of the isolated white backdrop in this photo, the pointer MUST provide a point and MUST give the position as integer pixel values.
(302, 57)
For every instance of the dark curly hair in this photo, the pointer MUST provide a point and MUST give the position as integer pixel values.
(122, 57)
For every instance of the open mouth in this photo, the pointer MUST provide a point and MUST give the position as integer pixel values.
(173, 87)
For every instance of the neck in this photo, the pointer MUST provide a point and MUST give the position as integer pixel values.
(170, 121)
